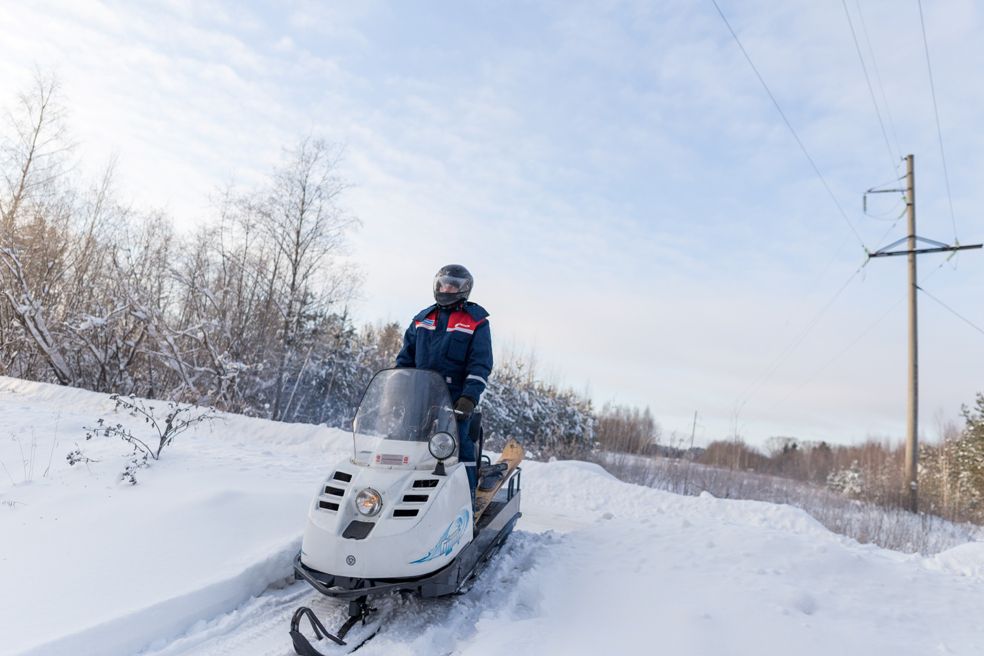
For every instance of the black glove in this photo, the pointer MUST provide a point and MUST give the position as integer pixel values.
(463, 408)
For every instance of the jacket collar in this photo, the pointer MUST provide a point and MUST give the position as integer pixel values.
(476, 311)
(423, 313)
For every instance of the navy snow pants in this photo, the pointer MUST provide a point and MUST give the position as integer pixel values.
(466, 453)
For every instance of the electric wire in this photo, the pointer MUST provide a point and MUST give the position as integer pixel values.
(871, 90)
(898, 178)
(952, 311)
(838, 355)
(881, 86)
(891, 214)
(767, 374)
(789, 125)
(900, 201)
(939, 130)
(850, 345)
(892, 227)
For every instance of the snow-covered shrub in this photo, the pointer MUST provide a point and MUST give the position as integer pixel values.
(175, 421)
(849, 482)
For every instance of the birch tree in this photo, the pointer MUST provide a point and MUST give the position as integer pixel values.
(305, 231)
(34, 213)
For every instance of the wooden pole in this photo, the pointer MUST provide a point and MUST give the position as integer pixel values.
(912, 409)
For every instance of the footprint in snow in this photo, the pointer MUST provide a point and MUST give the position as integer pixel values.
(804, 603)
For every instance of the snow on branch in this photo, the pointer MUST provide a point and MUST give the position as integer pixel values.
(178, 419)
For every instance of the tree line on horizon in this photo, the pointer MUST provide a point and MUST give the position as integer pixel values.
(951, 470)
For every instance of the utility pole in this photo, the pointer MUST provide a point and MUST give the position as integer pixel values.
(912, 404)
(693, 431)
(912, 400)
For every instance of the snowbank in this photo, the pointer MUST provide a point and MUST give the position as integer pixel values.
(966, 560)
(100, 567)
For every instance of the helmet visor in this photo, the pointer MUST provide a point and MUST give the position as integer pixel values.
(450, 289)
(450, 284)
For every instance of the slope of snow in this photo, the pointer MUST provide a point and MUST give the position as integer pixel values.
(196, 559)
(212, 524)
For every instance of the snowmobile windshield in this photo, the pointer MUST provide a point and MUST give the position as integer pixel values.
(408, 405)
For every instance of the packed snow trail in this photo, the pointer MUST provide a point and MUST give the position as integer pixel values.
(196, 559)
(705, 585)
(259, 627)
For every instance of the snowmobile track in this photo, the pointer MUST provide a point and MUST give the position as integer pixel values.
(255, 628)
(260, 626)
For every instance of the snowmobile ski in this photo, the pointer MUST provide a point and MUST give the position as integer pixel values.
(361, 612)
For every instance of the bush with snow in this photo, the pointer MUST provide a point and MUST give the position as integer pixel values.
(177, 419)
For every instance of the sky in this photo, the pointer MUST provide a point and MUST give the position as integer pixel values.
(633, 208)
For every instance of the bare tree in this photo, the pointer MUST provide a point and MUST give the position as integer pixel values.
(34, 155)
(627, 429)
(34, 213)
(305, 228)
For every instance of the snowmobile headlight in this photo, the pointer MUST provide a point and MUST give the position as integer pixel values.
(368, 502)
(441, 446)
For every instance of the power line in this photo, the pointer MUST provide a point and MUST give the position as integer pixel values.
(789, 125)
(939, 130)
(791, 347)
(877, 189)
(954, 312)
(889, 215)
(871, 91)
(839, 354)
(881, 87)
(763, 378)
(892, 227)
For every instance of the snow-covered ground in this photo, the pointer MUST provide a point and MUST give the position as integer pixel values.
(195, 559)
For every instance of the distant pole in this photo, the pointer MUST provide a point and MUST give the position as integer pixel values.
(912, 414)
(911, 473)
(693, 431)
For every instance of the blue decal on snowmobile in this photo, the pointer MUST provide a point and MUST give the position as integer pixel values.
(449, 540)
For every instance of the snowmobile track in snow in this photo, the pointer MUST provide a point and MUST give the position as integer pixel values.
(260, 626)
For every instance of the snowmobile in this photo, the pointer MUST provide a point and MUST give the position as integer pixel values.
(398, 516)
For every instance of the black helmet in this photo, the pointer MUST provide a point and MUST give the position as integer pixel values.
(452, 284)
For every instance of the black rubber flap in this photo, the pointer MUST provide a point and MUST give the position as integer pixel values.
(357, 530)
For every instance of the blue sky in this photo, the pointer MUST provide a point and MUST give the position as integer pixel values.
(631, 204)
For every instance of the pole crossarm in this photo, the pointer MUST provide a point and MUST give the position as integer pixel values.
(942, 248)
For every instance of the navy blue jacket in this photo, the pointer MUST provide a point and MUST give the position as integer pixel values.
(456, 343)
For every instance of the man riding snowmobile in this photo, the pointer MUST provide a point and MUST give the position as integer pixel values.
(453, 338)
(402, 514)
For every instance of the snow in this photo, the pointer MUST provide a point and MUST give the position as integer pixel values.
(195, 559)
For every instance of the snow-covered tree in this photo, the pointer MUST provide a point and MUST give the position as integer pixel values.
(849, 481)
(547, 419)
